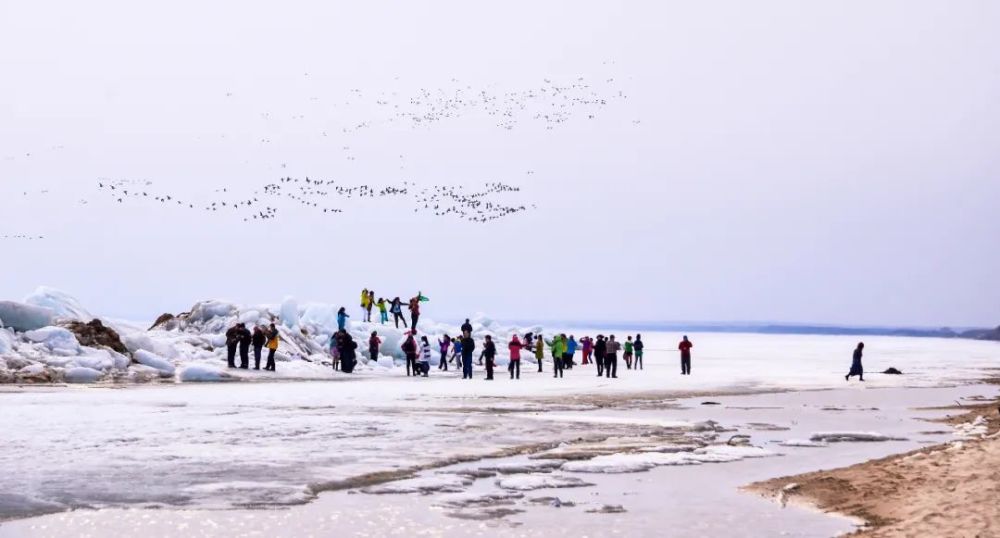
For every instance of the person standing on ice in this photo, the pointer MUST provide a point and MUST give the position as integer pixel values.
(539, 351)
(443, 345)
(414, 307)
(425, 356)
(638, 351)
(374, 342)
(409, 348)
(383, 315)
(856, 367)
(371, 304)
(558, 350)
(245, 338)
(611, 357)
(348, 353)
(468, 346)
(586, 348)
(515, 357)
(628, 353)
(490, 352)
(685, 347)
(364, 305)
(258, 340)
(571, 346)
(335, 349)
(272, 347)
(600, 354)
(467, 328)
(397, 312)
(342, 319)
(232, 341)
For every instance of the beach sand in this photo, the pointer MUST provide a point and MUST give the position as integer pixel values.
(950, 489)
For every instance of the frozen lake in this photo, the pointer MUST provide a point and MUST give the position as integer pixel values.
(212, 456)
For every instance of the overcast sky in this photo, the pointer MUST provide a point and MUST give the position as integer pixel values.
(784, 161)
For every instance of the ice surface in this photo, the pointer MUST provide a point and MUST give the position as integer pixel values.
(639, 462)
(80, 374)
(154, 361)
(61, 303)
(529, 482)
(24, 317)
(805, 443)
(451, 483)
(290, 313)
(54, 338)
(203, 372)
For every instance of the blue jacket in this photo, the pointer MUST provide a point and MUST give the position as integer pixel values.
(571, 346)
(342, 320)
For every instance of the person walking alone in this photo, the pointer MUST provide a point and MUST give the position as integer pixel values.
(628, 353)
(685, 347)
(515, 357)
(856, 367)
(468, 346)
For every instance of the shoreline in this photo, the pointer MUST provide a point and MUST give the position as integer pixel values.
(930, 491)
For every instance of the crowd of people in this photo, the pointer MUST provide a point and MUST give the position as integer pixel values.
(238, 336)
(601, 351)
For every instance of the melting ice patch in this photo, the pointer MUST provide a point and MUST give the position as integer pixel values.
(852, 437)
(447, 483)
(529, 482)
(640, 462)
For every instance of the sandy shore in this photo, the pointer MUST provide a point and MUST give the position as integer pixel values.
(944, 490)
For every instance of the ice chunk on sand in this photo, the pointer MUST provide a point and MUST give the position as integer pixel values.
(848, 437)
(62, 304)
(803, 443)
(250, 317)
(80, 374)
(157, 362)
(529, 482)
(203, 372)
(207, 310)
(54, 338)
(25, 317)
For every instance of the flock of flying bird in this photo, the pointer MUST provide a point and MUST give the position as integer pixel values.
(264, 204)
(550, 102)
